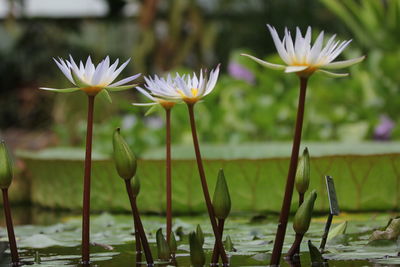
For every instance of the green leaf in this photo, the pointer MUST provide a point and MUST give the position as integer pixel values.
(120, 88)
(66, 90)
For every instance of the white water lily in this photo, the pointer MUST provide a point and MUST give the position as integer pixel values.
(159, 90)
(302, 58)
(92, 79)
(189, 89)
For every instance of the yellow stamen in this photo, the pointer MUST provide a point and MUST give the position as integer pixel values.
(195, 91)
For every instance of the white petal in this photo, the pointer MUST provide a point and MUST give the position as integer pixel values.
(344, 63)
(316, 49)
(212, 81)
(145, 93)
(144, 104)
(118, 71)
(65, 70)
(279, 45)
(332, 74)
(126, 80)
(289, 45)
(265, 63)
(289, 69)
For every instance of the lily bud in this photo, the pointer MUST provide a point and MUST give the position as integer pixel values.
(6, 171)
(197, 256)
(199, 234)
(302, 219)
(124, 158)
(221, 199)
(173, 246)
(162, 246)
(228, 244)
(303, 172)
(135, 184)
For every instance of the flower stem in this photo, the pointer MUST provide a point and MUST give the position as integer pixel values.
(215, 255)
(301, 199)
(206, 193)
(168, 174)
(284, 215)
(295, 248)
(138, 222)
(10, 228)
(137, 236)
(86, 184)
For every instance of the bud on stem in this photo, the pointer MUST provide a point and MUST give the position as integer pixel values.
(125, 160)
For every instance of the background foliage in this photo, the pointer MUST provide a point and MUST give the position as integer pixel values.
(249, 103)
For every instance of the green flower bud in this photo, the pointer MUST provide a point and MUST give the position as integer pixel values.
(197, 256)
(162, 246)
(302, 219)
(124, 158)
(135, 183)
(6, 171)
(221, 199)
(228, 244)
(173, 246)
(199, 234)
(303, 172)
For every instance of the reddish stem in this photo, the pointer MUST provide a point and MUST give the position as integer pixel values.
(295, 248)
(168, 175)
(206, 193)
(137, 236)
(215, 255)
(284, 215)
(138, 222)
(10, 228)
(86, 184)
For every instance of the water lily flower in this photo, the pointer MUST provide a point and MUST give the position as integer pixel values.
(159, 90)
(192, 89)
(303, 58)
(93, 79)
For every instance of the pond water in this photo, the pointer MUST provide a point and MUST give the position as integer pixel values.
(53, 238)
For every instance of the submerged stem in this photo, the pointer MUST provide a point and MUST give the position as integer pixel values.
(10, 228)
(285, 210)
(203, 180)
(86, 184)
(168, 173)
(138, 222)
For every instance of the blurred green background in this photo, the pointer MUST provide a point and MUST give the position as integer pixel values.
(250, 103)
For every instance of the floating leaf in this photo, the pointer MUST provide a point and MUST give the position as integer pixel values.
(391, 232)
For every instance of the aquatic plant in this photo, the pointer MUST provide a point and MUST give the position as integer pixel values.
(92, 80)
(125, 162)
(302, 59)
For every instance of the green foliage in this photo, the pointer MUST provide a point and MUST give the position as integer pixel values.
(163, 250)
